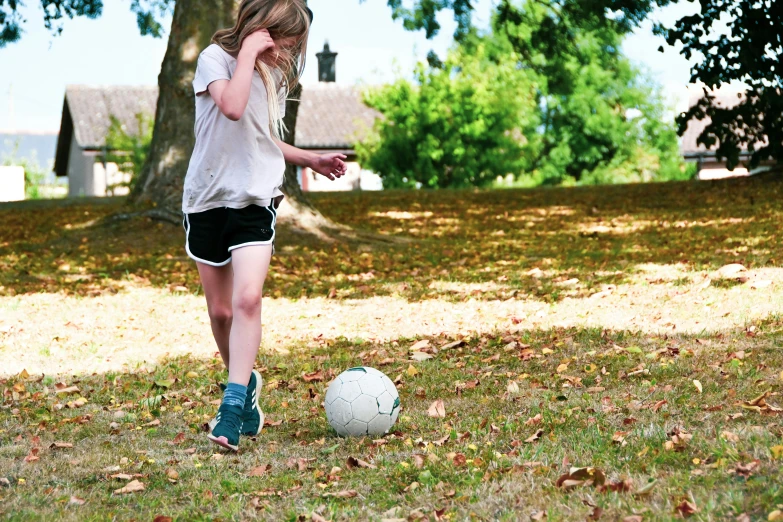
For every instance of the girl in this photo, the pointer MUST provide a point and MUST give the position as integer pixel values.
(232, 187)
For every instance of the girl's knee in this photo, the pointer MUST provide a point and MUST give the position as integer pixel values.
(248, 303)
(221, 314)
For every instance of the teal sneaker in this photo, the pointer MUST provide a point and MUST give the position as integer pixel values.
(228, 427)
(252, 416)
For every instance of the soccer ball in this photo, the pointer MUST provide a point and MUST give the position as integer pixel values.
(362, 401)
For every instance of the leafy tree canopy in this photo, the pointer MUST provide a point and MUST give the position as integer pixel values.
(55, 12)
(462, 124)
(585, 115)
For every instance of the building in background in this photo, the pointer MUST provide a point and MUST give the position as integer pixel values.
(708, 165)
(331, 118)
(84, 125)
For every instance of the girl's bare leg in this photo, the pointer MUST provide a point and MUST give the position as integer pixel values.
(218, 286)
(251, 264)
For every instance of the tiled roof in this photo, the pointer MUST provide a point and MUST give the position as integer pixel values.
(91, 107)
(332, 116)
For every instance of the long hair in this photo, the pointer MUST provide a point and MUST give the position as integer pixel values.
(283, 19)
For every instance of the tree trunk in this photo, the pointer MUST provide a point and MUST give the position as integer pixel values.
(161, 181)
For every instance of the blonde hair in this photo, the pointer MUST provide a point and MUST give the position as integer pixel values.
(283, 19)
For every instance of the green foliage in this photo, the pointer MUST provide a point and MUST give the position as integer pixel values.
(462, 124)
(586, 117)
(129, 150)
(734, 41)
(603, 121)
(148, 13)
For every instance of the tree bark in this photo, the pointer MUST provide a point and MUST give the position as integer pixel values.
(161, 181)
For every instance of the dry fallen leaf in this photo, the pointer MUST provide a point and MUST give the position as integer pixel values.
(420, 356)
(33, 455)
(534, 421)
(353, 462)
(449, 346)
(418, 460)
(437, 409)
(679, 440)
(76, 500)
(581, 477)
(259, 471)
(534, 437)
(63, 389)
(60, 445)
(420, 345)
(697, 384)
(759, 404)
(619, 438)
(441, 441)
(729, 436)
(686, 508)
(131, 487)
(349, 493)
(411, 371)
(313, 377)
(746, 470)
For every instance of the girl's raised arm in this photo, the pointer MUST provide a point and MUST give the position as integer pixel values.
(231, 95)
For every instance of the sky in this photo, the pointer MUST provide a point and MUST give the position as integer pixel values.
(371, 49)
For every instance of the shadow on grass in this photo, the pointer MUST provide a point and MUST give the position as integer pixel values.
(581, 397)
(543, 244)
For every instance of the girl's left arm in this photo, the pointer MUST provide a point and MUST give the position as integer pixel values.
(331, 165)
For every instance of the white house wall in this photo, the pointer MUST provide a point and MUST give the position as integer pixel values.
(81, 172)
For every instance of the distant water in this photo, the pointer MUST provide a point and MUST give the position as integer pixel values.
(40, 147)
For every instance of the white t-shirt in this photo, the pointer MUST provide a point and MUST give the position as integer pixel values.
(234, 163)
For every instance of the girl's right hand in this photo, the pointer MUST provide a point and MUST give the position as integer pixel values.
(257, 43)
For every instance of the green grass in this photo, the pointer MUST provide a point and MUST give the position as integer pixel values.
(537, 341)
(500, 478)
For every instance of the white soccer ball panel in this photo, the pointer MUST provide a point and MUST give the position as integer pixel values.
(372, 385)
(373, 371)
(333, 391)
(385, 403)
(350, 391)
(364, 408)
(339, 428)
(339, 411)
(379, 425)
(390, 387)
(354, 374)
(356, 428)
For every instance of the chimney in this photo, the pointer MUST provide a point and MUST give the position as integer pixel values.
(326, 60)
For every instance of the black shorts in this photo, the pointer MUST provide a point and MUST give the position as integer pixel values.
(210, 236)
